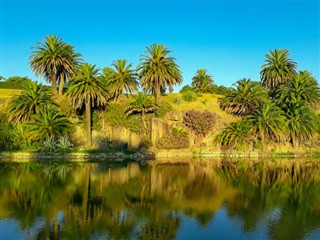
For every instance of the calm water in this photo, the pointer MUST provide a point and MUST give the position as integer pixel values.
(206, 199)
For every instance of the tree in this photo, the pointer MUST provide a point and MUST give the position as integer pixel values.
(267, 122)
(87, 87)
(202, 80)
(302, 122)
(49, 124)
(236, 135)
(158, 70)
(300, 87)
(22, 107)
(142, 103)
(243, 97)
(122, 79)
(55, 60)
(278, 69)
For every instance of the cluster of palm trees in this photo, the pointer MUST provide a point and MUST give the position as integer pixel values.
(282, 107)
(85, 84)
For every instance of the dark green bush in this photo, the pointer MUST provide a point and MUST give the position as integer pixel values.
(199, 122)
(163, 108)
(173, 142)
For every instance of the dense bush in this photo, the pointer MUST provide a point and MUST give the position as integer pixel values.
(199, 122)
(173, 142)
(189, 96)
(163, 108)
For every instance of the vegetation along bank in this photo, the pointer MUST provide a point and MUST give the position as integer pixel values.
(121, 107)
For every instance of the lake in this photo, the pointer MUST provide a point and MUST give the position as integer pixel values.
(194, 199)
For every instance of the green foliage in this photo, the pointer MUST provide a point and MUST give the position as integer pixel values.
(173, 142)
(116, 116)
(63, 144)
(236, 135)
(48, 146)
(243, 97)
(164, 107)
(55, 60)
(179, 132)
(278, 69)
(157, 70)
(200, 123)
(24, 106)
(122, 79)
(202, 80)
(15, 82)
(177, 100)
(49, 124)
(186, 88)
(189, 96)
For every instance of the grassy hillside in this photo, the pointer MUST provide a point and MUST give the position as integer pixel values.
(8, 93)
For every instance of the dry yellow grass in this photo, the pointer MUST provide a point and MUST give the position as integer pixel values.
(207, 102)
(8, 93)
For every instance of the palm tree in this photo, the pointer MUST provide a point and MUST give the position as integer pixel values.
(158, 70)
(88, 88)
(301, 87)
(22, 107)
(302, 122)
(278, 69)
(202, 80)
(236, 135)
(55, 60)
(122, 79)
(142, 103)
(244, 96)
(49, 124)
(268, 122)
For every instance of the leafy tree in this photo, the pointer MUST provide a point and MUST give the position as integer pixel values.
(278, 69)
(142, 103)
(18, 82)
(88, 88)
(302, 122)
(22, 107)
(202, 80)
(236, 135)
(122, 79)
(55, 60)
(243, 97)
(267, 122)
(49, 124)
(300, 87)
(157, 70)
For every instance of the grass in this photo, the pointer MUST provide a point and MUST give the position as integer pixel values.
(8, 93)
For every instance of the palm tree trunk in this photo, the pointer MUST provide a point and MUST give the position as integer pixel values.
(61, 83)
(88, 122)
(54, 84)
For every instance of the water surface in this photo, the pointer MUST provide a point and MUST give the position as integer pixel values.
(204, 199)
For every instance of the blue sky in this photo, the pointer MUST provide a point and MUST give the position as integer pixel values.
(228, 38)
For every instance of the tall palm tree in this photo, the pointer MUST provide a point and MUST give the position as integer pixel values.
(268, 122)
(244, 96)
(49, 124)
(30, 101)
(278, 69)
(55, 60)
(157, 70)
(88, 88)
(122, 79)
(301, 87)
(202, 80)
(302, 122)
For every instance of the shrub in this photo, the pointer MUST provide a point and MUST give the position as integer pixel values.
(163, 108)
(63, 144)
(179, 132)
(189, 96)
(199, 122)
(173, 142)
(177, 100)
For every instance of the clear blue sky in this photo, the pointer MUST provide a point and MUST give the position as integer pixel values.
(228, 38)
